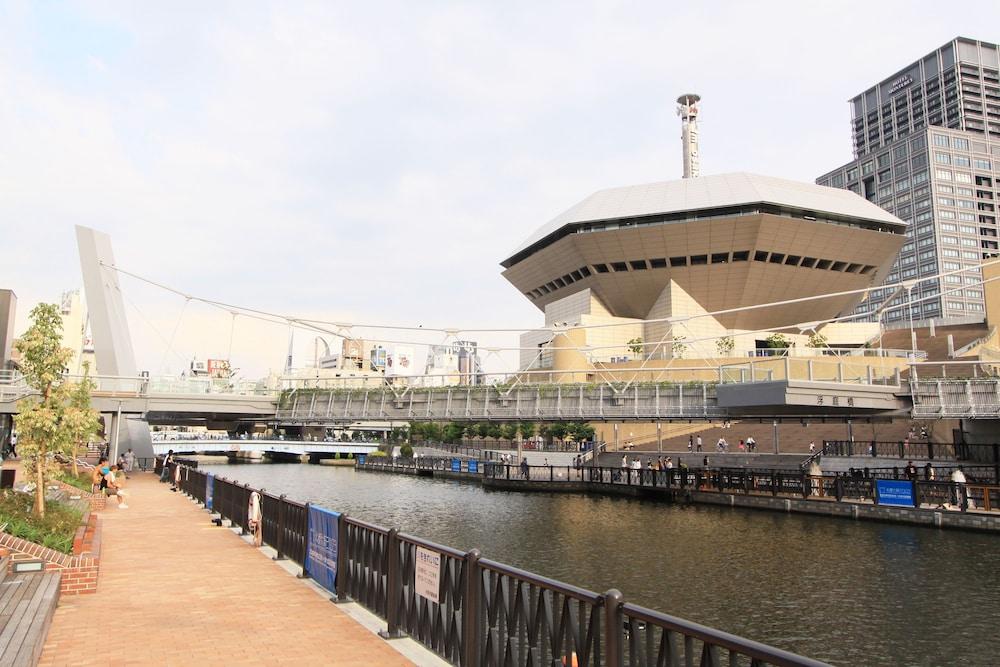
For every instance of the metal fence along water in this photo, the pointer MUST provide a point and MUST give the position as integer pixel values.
(472, 611)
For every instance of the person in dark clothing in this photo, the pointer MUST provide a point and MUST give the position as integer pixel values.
(167, 460)
(911, 472)
(524, 467)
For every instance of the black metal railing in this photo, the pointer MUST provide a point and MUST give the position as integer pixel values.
(901, 449)
(484, 612)
(443, 464)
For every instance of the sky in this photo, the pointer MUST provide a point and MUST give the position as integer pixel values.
(374, 162)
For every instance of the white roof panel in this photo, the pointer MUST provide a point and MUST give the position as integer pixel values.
(706, 192)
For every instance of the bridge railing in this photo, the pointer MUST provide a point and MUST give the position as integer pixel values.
(489, 613)
(826, 369)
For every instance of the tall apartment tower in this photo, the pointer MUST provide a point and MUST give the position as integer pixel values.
(927, 149)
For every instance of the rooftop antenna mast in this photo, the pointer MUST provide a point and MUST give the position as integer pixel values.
(687, 109)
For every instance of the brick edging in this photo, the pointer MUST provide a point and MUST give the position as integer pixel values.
(79, 570)
(98, 502)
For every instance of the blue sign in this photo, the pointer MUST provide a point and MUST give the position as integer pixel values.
(456, 465)
(473, 466)
(321, 547)
(209, 490)
(895, 492)
(361, 459)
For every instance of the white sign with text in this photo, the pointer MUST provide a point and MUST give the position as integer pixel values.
(427, 574)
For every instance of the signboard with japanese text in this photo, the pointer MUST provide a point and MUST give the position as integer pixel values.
(321, 547)
(895, 492)
(427, 574)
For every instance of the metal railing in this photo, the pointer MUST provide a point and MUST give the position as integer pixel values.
(825, 369)
(889, 449)
(488, 613)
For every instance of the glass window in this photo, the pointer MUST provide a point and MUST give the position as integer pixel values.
(947, 215)
(852, 174)
(962, 177)
(970, 255)
(942, 158)
(941, 174)
(948, 252)
(940, 140)
(983, 164)
(968, 217)
(917, 143)
(951, 266)
(956, 305)
(966, 229)
(948, 227)
(946, 189)
(899, 152)
(946, 201)
(964, 191)
(960, 143)
(953, 280)
(920, 177)
(978, 307)
(962, 161)
(949, 240)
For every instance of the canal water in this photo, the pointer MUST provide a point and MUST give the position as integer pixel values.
(850, 593)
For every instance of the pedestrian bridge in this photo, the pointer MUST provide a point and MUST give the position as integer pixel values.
(296, 447)
(770, 387)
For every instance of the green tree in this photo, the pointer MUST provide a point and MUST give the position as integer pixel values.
(580, 431)
(817, 340)
(406, 451)
(558, 430)
(493, 431)
(508, 431)
(82, 421)
(635, 345)
(527, 429)
(545, 432)
(777, 341)
(416, 431)
(725, 346)
(41, 421)
(453, 432)
(433, 432)
(483, 429)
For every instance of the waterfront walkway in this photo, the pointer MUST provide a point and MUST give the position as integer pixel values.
(176, 590)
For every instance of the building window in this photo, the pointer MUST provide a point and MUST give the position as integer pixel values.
(949, 240)
(941, 175)
(948, 215)
(960, 143)
(962, 161)
(941, 140)
(985, 165)
(942, 158)
(962, 177)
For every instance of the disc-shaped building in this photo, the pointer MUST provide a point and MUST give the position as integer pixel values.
(683, 249)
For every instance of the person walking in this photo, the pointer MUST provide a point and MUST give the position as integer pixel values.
(690, 444)
(13, 444)
(698, 443)
(129, 461)
(911, 471)
(524, 467)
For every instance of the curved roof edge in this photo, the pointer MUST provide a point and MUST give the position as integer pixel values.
(708, 192)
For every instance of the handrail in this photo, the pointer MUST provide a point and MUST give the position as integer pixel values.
(478, 623)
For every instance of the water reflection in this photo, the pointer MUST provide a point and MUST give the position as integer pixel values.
(847, 592)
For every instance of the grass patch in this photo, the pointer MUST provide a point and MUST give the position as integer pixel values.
(55, 531)
(81, 481)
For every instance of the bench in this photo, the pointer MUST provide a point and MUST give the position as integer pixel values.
(27, 602)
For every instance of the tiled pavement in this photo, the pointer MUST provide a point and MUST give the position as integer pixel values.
(176, 590)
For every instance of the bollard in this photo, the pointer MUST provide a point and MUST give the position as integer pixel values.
(393, 587)
(471, 610)
(304, 574)
(280, 546)
(613, 626)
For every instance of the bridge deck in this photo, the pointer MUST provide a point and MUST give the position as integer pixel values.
(191, 593)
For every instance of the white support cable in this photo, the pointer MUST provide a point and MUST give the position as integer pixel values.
(312, 325)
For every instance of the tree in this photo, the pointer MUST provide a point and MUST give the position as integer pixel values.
(483, 429)
(433, 432)
(580, 431)
(406, 451)
(817, 339)
(777, 341)
(453, 432)
(558, 430)
(81, 420)
(508, 431)
(635, 345)
(725, 346)
(41, 421)
(678, 347)
(527, 429)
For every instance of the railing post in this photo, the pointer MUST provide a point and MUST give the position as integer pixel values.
(613, 629)
(471, 610)
(393, 588)
(838, 488)
(280, 546)
(930, 450)
(305, 575)
(342, 547)
(774, 482)
(245, 514)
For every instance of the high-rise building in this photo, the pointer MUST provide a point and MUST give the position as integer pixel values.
(927, 149)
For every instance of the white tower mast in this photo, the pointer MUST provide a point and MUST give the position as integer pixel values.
(687, 109)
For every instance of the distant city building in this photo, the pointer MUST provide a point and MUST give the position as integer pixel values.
(8, 310)
(927, 149)
(456, 363)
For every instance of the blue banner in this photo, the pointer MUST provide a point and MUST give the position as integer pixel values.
(209, 490)
(895, 492)
(321, 547)
(456, 465)
(473, 466)
(361, 459)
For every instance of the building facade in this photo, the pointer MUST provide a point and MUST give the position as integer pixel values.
(927, 149)
(667, 270)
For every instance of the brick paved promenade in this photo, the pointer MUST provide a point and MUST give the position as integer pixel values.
(176, 590)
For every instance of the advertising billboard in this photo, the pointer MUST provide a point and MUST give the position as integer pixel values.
(400, 362)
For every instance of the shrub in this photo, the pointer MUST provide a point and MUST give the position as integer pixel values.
(377, 454)
(55, 530)
(406, 451)
(81, 481)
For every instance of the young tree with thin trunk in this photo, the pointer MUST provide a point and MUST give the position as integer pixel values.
(41, 421)
(82, 421)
